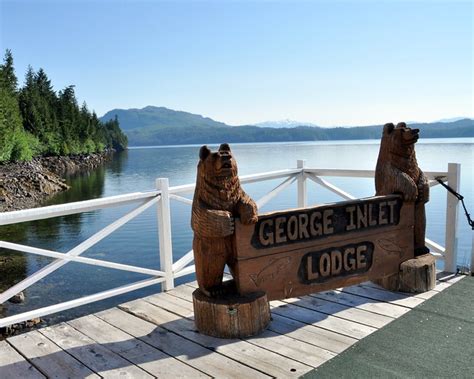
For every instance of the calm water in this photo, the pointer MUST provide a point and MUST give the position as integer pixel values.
(137, 242)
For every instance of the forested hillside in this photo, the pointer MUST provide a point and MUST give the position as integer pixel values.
(151, 116)
(166, 135)
(162, 126)
(35, 120)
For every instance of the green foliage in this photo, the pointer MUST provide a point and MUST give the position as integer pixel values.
(9, 122)
(35, 120)
(26, 147)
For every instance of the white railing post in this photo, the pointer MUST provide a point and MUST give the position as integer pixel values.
(302, 193)
(164, 233)
(452, 205)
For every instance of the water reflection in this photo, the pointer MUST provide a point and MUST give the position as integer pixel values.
(12, 265)
(118, 161)
(15, 266)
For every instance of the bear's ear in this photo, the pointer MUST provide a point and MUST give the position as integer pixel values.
(224, 147)
(401, 125)
(204, 152)
(388, 128)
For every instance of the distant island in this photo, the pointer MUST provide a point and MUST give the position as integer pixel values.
(162, 126)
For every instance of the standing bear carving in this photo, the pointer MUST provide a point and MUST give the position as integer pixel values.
(397, 171)
(218, 199)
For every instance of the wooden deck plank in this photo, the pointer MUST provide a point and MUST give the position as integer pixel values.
(297, 350)
(95, 356)
(360, 302)
(241, 351)
(443, 285)
(338, 325)
(136, 351)
(445, 280)
(342, 311)
(48, 357)
(304, 333)
(183, 292)
(187, 351)
(346, 327)
(172, 304)
(313, 335)
(382, 295)
(393, 310)
(424, 295)
(280, 344)
(443, 276)
(13, 365)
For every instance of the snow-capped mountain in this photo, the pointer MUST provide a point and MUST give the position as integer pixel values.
(283, 124)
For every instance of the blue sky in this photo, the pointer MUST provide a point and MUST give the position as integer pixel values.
(327, 62)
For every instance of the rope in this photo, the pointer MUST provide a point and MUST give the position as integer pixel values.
(460, 198)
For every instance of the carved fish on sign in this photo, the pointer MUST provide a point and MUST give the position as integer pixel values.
(270, 271)
(390, 246)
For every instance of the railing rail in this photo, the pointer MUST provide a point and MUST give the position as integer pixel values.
(162, 197)
(66, 209)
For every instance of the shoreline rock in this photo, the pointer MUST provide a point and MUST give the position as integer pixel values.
(25, 326)
(27, 184)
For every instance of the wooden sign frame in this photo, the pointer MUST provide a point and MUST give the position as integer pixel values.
(302, 251)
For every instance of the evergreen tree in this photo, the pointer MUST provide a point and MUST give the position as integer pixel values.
(15, 143)
(8, 77)
(28, 100)
(68, 116)
(114, 136)
(36, 120)
(10, 122)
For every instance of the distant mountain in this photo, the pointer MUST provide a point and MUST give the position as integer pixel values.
(453, 119)
(283, 124)
(162, 126)
(151, 116)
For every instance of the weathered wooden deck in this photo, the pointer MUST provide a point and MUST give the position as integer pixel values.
(155, 337)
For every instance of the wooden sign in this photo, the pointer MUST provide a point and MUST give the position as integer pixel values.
(302, 251)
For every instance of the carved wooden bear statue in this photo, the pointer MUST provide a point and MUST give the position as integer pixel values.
(397, 171)
(218, 198)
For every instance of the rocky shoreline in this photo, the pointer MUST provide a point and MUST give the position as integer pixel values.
(27, 184)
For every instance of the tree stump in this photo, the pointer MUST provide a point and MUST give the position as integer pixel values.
(231, 316)
(416, 275)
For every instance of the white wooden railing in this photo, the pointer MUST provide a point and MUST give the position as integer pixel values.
(162, 196)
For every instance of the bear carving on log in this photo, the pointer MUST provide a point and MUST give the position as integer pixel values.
(218, 199)
(397, 171)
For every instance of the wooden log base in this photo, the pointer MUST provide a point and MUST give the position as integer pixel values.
(416, 275)
(232, 315)
(227, 287)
